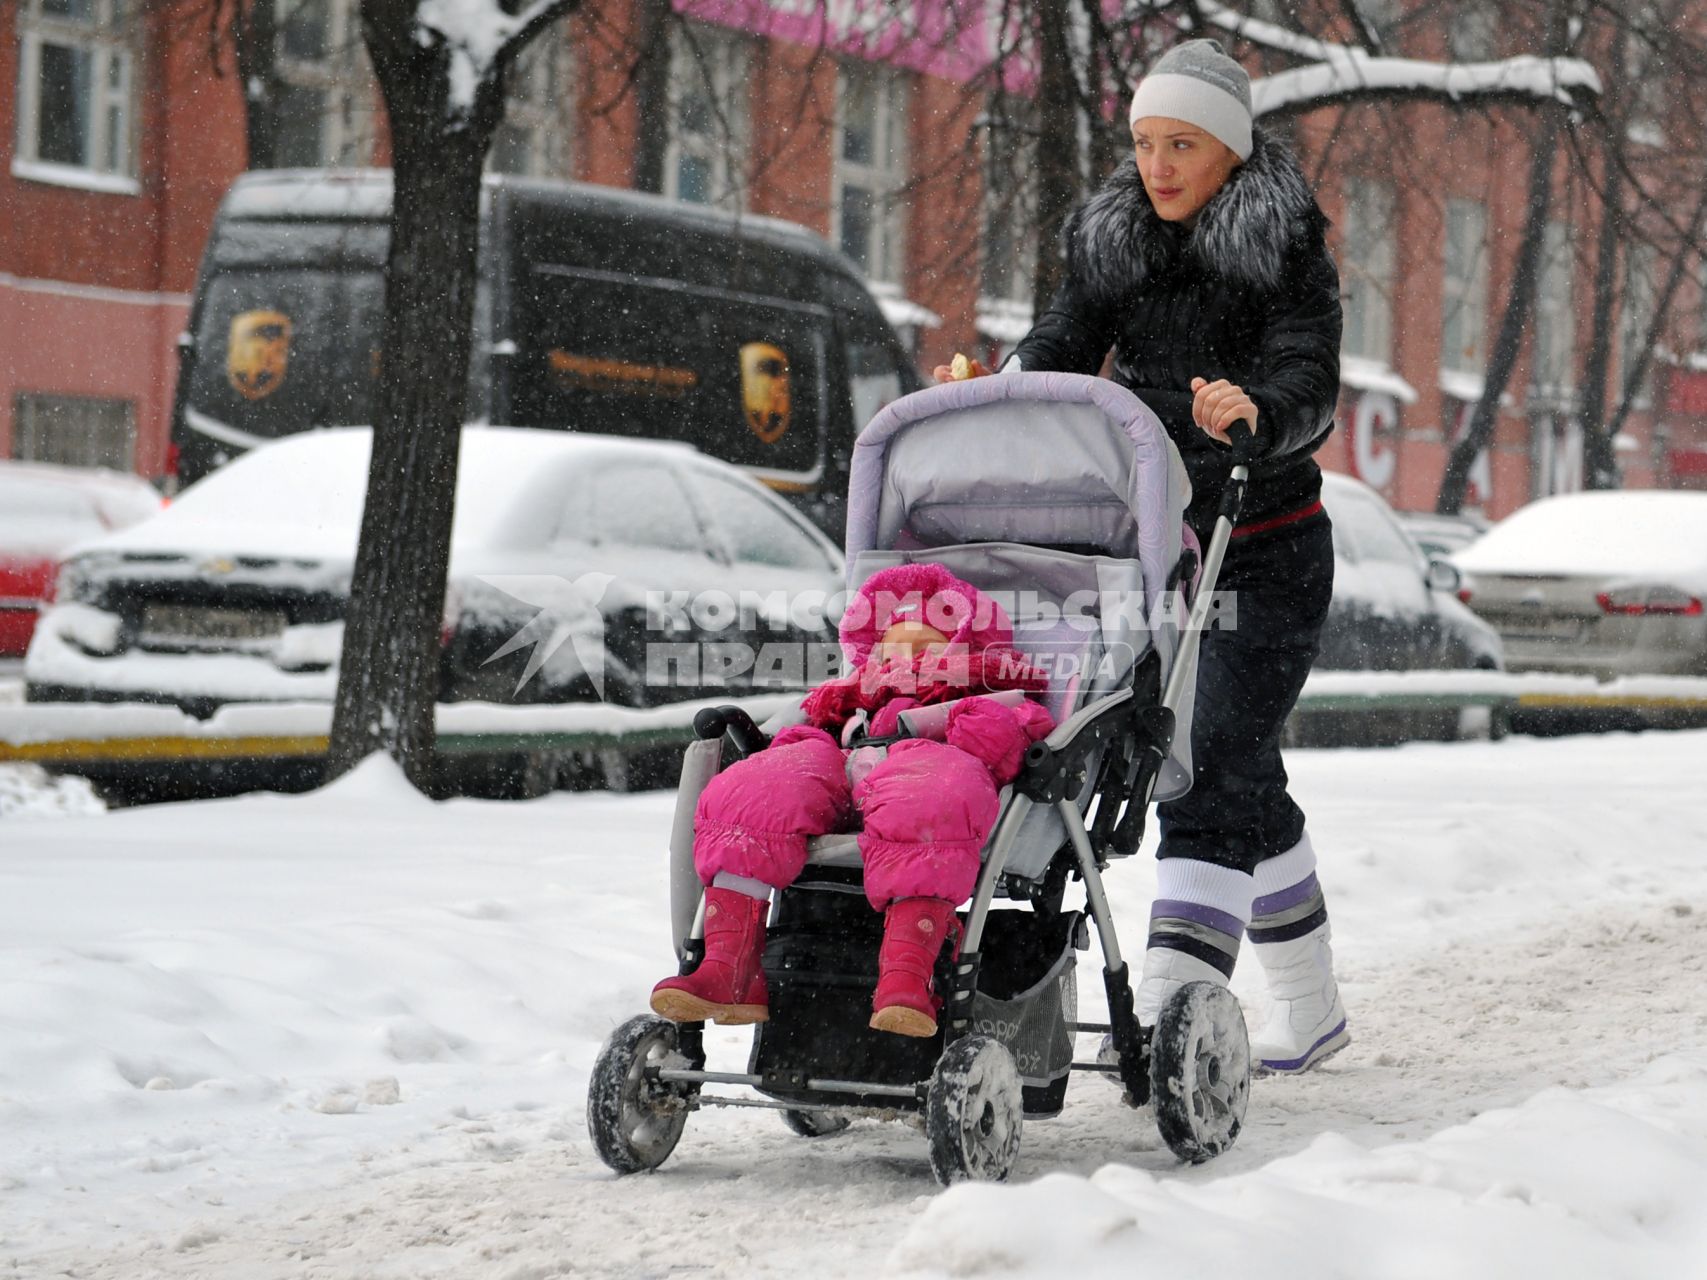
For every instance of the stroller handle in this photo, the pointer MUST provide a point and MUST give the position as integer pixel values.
(1232, 498)
(714, 722)
(1242, 438)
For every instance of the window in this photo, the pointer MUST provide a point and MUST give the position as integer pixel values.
(635, 506)
(1645, 77)
(870, 170)
(1472, 31)
(533, 140)
(74, 431)
(1465, 287)
(76, 92)
(1010, 201)
(1370, 532)
(1367, 273)
(326, 102)
(757, 533)
(1555, 321)
(708, 117)
(1384, 16)
(1555, 453)
(742, 379)
(1636, 311)
(1701, 314)
(874, 379)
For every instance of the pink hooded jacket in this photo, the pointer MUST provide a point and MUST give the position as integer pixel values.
(924, 809)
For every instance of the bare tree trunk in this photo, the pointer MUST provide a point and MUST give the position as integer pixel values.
(651, 93)
(1520, 305)
(389, 670)
(1598, 458)
(1057, 145)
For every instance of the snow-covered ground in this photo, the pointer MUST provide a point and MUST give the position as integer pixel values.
(348, 1034)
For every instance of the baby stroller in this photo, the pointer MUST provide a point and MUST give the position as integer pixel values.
(1091, 561)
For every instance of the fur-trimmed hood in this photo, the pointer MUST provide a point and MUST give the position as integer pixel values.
(1115, 240)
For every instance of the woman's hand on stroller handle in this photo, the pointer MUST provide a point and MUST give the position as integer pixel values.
(1226, 414)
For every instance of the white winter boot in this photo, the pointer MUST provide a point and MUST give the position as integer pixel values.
(1195, 922)
(1165, 972)
(1289, 935)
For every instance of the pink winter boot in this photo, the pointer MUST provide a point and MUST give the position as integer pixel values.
(729, 986)
(914, 930)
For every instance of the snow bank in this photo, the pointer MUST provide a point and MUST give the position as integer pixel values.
(1606, 1182)
(22, 724)
(348, 1034)
(28, 790)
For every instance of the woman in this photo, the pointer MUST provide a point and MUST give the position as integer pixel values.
(1205, 269)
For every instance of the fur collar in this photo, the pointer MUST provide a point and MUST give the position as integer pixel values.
(1115, 241)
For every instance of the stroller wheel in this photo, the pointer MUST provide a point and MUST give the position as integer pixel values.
(1200, 1071)
(815, 1124)
(634, 1121)
(973, 1111)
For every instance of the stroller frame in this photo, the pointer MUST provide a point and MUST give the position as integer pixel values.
(1194, 1063)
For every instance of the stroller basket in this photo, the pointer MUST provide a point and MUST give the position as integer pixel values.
(821, 966)
(1032, 1015)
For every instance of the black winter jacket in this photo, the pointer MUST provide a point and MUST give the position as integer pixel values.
(1249, 293)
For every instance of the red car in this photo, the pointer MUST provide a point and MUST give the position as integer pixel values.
(44, 511)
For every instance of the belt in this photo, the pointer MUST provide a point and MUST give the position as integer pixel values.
(1278, 522)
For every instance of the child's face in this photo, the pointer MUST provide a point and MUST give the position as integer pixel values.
(907, 639)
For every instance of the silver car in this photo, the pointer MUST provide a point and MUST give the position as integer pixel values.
(1604, 584)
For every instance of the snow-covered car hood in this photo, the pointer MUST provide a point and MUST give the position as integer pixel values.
(302, 497)
(1652, 535)
(46, 509)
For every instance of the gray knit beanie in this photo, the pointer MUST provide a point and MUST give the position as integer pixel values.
(1197, 82)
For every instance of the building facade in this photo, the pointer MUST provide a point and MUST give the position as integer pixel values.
(122, 132)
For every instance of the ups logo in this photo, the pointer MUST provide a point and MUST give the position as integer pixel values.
(765, 391)
(258, 354)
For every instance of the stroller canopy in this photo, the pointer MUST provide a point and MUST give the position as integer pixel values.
(1048, 459)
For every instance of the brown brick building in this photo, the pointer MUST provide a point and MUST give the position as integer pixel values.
(118, 137)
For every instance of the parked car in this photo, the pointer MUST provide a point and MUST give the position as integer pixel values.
(565, 551)
(1393, 609)
(748, 337)
(44, 510)
(1605, 583)
(1441, 537)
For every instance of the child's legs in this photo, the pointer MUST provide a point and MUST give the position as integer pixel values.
(755, 817)
(928, 808)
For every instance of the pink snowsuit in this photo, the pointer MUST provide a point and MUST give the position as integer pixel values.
(924, 809)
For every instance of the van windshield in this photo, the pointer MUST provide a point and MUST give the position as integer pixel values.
(287, 336)
(740, 376)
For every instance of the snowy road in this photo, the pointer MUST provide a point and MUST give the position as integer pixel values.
(206, 1011)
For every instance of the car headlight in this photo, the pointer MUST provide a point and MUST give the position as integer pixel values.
(74, 585)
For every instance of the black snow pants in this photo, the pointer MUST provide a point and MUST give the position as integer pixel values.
(1238, 812)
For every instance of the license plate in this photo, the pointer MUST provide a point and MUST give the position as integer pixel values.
(1521, 628)
(203, 627)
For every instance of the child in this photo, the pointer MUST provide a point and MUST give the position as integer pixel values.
(915, 635)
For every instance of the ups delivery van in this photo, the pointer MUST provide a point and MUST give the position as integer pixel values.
(597, 310)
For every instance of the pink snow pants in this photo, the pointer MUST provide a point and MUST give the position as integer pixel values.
(926, 808)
